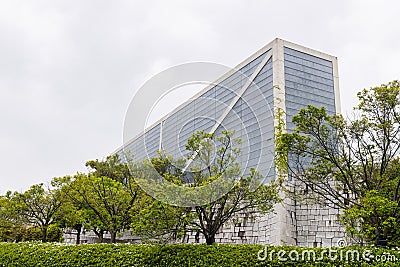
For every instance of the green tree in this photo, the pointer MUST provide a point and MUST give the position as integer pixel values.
(161, 223)
(38, 206)
(350, 164)
(71, 215)
(11, 225)
(158, 221)
(108, 196)
(210, 158)
(375, 213)
(34, 233)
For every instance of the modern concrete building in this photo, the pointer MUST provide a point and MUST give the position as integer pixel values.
(284, 76)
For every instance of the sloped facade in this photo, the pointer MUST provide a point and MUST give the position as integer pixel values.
(282, 75)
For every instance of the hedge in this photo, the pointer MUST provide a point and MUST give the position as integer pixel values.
(55, 254)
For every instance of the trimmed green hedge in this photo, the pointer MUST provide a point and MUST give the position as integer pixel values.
(53, 254)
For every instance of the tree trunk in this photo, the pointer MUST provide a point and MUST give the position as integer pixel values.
(210, 239)
(113, 236)
(377, 230)
(100, 235)
(78, 228)
(44, 234)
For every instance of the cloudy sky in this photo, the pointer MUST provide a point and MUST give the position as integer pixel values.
(68, 69)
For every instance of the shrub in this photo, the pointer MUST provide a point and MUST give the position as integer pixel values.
(55, 254)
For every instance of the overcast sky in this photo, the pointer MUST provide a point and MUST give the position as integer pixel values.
(68, 69)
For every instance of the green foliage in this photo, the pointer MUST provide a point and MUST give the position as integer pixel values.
(281, 157)
(161, 223)
(375, 211)
(215, 157)
(211, 166)
(37, 206)
(112, 168)
(34, 233)
(11, 226)
(20, 233)
(351, 164)
(41, 254)
(70, 215)
(30, 216)
(105, 199)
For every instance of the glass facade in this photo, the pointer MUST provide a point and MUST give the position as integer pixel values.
(308, 80)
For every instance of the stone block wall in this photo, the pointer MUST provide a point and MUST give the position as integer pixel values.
(89, 237)
(291, 223)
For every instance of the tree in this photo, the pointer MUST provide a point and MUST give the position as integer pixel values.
(37, 206)
(71, 215)
(213, 163)
(375, 213)
(349, 164)
(158, 221)
(114, 169)
(210, 158)
(34, 233)
(11, 225)
(108, 196)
